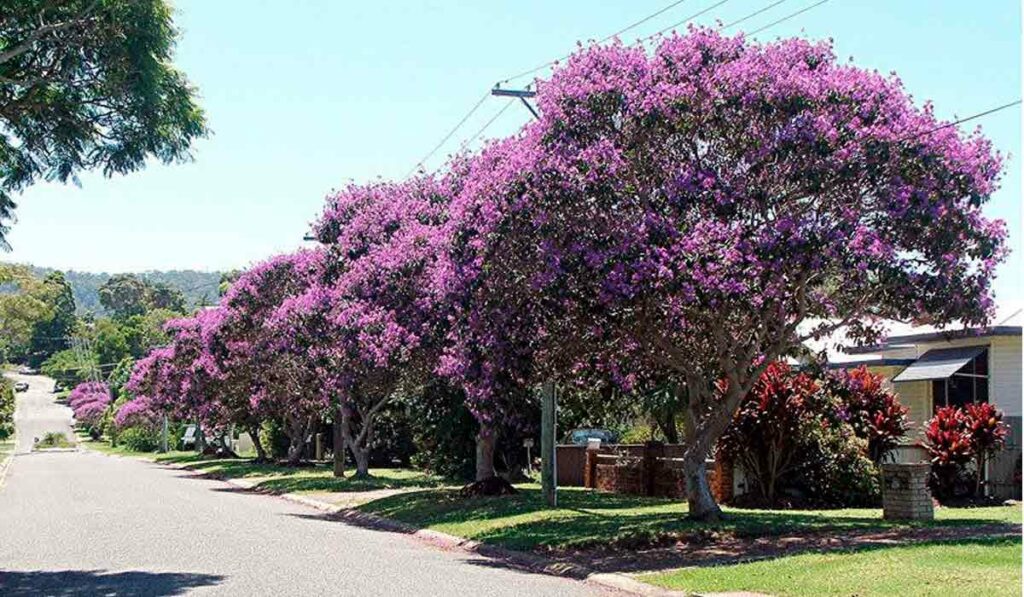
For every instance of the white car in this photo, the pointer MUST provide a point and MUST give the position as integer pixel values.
(21, 386)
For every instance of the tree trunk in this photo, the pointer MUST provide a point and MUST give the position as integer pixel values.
(261, 453)
(339, 446)
(298, 428)
(667, 422)
(358, 443)
(485, 441)
(362, 456)
(701, 503)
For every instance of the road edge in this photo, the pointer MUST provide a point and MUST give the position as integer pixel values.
(529, 562)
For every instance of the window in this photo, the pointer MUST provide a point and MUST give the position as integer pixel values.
(968, 385)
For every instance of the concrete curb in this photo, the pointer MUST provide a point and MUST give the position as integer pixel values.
(4, 466)
(517, 559)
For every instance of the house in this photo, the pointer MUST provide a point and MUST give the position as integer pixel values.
(930, 368)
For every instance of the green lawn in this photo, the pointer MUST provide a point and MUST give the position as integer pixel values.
(586, 518)
(6, 447)
(976, 567)
(276, 478)
(283, 479)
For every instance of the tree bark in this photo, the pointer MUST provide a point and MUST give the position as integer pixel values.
(362, 456)
(485, 442)
(298, 430)
(699, 500)
(261, 453)
(357, 443)
(339, 445)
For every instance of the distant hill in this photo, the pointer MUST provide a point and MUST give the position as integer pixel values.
(198, 287)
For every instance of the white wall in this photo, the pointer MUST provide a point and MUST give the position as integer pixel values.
(1005, 377)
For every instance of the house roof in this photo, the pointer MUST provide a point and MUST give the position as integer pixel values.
(939, 363)
(842, 352)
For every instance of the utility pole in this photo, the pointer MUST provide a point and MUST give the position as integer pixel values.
(522, 94)
(548, 424)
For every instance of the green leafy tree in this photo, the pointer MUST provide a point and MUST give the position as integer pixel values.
(50, 335)
(124, 295)
(110, 344)
(89, 84)
(161, 295)
(146, 332)
(22, 305)
(69, 369)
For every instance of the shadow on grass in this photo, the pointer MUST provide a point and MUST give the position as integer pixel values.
(74, 583)
(299, 483)
(590, 520)
(277, 478)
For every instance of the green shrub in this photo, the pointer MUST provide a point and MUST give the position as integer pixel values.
(392, 437)
(6, 409)
(53, 439)
(275, 441)
(139, 439)
(444, 433)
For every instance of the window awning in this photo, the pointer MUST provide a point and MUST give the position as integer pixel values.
(939, 364)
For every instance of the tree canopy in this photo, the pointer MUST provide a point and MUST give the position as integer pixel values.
(679, 218)
(89, 84)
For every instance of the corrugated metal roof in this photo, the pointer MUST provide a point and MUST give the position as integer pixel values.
(939, 363)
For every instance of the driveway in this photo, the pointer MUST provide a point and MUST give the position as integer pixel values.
(83, 523)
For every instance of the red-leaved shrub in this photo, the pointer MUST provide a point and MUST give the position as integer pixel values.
(956, 437)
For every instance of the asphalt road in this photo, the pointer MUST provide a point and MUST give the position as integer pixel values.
(82, 523)
(36, 413)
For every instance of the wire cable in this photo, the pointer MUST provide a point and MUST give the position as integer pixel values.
(752, 15)
(960, 121)
(486, 125)
(440, 143)
(630, 27)
(788, 17)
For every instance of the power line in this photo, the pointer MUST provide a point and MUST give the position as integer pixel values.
(472, 111)
(960, 121)
(752, 15)
(686, 20)
(486, 125)
(788, 17)
(601, 41)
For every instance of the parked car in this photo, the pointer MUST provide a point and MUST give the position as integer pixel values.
(579, 437)
(21, 387)
(27, 371)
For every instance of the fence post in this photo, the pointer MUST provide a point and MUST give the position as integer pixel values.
(548, 469)
(590, 467)
(652, 452)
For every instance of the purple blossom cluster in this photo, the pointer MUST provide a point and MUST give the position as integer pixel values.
(672, 215)
(89, 401)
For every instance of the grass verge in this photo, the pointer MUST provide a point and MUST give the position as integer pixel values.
(276, 478)
(977, 566)
(586, 519)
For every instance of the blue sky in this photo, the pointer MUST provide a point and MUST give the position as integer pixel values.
(305, 96)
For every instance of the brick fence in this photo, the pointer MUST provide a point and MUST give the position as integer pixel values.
(652, 469)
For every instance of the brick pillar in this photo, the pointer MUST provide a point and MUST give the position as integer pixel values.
(590, 469)
(905, 494)
(722, 480)
(650, 467)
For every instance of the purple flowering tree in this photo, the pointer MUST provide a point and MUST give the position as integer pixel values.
(692, 210)
(255, 381)
(373, 329)
(89, 402)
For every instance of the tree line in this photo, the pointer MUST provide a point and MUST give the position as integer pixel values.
(674, 222)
